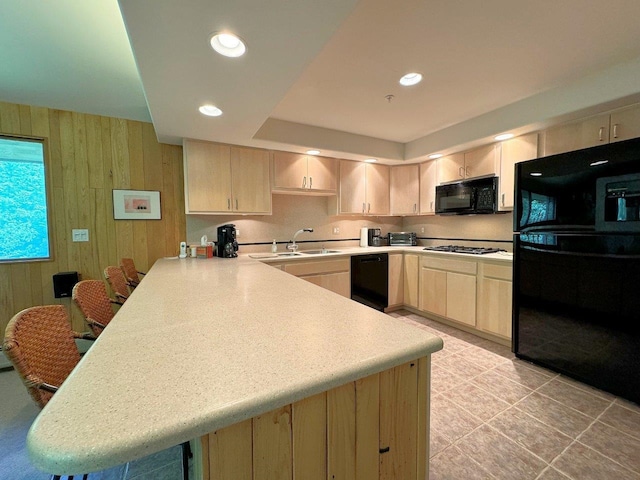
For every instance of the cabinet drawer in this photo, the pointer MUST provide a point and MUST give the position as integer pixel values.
(314, 268)
(502, 272)
(451, 265)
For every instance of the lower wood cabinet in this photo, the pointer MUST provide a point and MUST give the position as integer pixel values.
(494, 299)
(396, 280)
(334, 275)
(410, 274)
(374, 428)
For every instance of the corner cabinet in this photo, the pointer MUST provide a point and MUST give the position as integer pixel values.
(334, 275)
(364, 188)
(405, 190)
(428, 182)
(303, 174)
(513, 151)
(223, 179)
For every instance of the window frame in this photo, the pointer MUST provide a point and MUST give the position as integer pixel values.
(48, 185)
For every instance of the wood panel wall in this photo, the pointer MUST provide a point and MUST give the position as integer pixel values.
(87, 157)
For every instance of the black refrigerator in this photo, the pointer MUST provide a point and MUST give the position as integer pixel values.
(576, 283)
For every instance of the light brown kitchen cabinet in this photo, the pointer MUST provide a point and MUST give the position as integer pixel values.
(410, 273)
(223, 179)
(334, 275)
(480, 162)
(448, 288)
(512, 151)
(495, 299)
(405, 190)
(428, 182)
(364, 188)
(588, 132)
(296, 173)
(396, 280)
(625, 124)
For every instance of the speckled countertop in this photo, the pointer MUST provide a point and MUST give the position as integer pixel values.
(203, 344)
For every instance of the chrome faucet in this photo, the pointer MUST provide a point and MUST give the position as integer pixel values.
(292, 246)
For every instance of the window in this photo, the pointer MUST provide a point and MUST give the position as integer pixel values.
(24, 225)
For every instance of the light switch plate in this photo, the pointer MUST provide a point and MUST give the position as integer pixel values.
(80, 235)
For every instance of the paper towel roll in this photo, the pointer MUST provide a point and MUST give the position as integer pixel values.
(364, 237)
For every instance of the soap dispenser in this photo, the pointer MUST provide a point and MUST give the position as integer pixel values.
(274, 247)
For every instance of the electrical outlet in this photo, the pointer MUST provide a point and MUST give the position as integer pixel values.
(336, 230)
(80, 235)
(421, 229)
(237, 233)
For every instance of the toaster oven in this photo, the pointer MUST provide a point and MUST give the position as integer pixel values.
(402, 238)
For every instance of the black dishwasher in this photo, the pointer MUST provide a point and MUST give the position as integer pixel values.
(370, 280)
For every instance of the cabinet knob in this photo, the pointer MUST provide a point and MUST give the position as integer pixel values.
(460, 174)
(431, 207)
(304, 182)
(503, 199)
(466, 172)
(310, 182)
(228, 204)
(368, 207)
(236, 204)
(364, 207)
(601, 134)
(615, 130)
(415, 207)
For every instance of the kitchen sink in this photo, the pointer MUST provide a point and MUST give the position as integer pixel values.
(319, 252)
(288, 254)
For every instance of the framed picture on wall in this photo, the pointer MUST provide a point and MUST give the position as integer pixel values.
(136, 205)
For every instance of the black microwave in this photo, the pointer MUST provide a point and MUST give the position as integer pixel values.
(468, 197)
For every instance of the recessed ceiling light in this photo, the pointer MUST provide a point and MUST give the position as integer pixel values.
(503, 136)
(210, 110)
(371, 160)
(535, 174)
(410, 79)
(435, 155)
(228, 45)
(313, 152)
(599, 162)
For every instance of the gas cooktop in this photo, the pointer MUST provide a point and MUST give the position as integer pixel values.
(460, 249)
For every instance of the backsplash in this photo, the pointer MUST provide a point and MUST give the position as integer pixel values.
(293, 212)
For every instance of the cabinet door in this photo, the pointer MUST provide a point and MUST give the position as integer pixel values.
(494, 306)
(428, 181)
(514, 151)
(322, 173)
(451, 168)
(480, 162)
(208, 177)
(433, 291)
(405, 190)
(586, 133)
(339, 283)
(352, 199)
(396, 280)
(251, 185)
(377, 189)
(289, 170)
(461, 297)
(625, 124)
(410, 276)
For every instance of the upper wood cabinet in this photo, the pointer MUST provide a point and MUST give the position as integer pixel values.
(515, 150)
(364, 188)
(224, 179)
(614, 126)
(296, 173)
(405, 190)
(428, 182)
(480, 162)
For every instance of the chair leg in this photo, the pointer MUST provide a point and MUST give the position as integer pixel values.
(186, 455)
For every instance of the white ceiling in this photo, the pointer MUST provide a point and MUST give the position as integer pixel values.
(316, 73)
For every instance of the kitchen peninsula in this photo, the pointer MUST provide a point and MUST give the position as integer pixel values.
(276, 377)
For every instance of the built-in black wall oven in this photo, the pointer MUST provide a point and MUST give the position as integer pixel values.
(467, 197)
(577, 266)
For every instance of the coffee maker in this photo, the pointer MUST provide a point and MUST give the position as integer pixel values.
(374, 237)
(227, 247)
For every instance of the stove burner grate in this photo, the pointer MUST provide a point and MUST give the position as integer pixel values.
(461, 249)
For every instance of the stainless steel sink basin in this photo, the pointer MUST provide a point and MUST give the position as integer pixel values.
(288, 254)
(319, 252)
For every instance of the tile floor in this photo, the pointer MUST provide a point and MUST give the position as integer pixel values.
(496, 417)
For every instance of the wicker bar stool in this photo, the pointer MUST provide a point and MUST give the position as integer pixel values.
(91, 296)
(117, 282)
(131, 272)
(40, 344)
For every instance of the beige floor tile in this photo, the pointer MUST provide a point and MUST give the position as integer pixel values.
(501, 386)
(614, 444)
(450, 420)
(499, 455)
(483, 358)
(623, 419)
(587, 388)
(552, 474)
(458, 364)
(437, 443)
(496, 348)
(577, 398)
(555, 414)
(476, 401)
(582, 463)
(634, 407)
(452, 464)
(542, 440)
(443, 380)
(453, 345)
(523, 374)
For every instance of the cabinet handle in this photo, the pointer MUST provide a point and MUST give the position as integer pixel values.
(415, 206)
(466, 172)
(503, 199)
(601, 133)
(615, 130)
(431, 208)
(310, 182)
(364, 207)
(228, 204)
(236, 204)
(368, 207)
(460, 174)
(304, 182)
